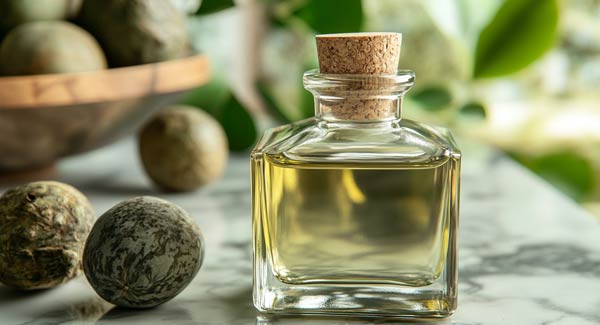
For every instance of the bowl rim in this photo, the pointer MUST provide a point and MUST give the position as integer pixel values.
(115, 84)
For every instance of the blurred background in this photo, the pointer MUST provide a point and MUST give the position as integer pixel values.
(520, 75)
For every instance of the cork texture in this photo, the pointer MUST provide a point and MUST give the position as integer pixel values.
(360, 109)
(359, 53)
(365, 54)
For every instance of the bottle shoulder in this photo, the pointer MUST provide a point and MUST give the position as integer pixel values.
(403, 141)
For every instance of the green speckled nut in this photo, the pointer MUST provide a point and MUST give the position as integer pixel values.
(142, 253)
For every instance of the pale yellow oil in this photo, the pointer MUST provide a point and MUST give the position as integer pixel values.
(355, 223)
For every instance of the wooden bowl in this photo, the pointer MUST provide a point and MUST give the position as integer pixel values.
(45, 117)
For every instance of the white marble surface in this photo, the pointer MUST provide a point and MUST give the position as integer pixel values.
(528, 255)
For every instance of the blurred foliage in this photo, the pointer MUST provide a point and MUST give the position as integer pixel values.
(212, 6)
(306, 105)
(567, 170)
(270, 102)
(319, 15)
(238, 124)
(452, 45)
(520, 32)
(472, 110)
(432, 98)
(218, 100)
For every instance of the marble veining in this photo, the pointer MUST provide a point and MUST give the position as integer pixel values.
(528, 255)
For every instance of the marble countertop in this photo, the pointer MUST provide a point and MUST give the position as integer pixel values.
(528, 255)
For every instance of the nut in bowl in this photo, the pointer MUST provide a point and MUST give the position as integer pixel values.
(46, 117)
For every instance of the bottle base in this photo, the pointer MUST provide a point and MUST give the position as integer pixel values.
(372, 301)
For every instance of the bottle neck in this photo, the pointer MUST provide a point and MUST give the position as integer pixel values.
(358, 110)
(358, 98)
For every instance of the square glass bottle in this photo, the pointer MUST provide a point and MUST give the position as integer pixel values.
(355, 211)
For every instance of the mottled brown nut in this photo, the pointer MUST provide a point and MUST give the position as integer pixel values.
(142, 253)
(183, 148)
(45, 47)
(43, 228)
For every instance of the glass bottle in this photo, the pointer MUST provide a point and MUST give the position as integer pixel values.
(355, 210)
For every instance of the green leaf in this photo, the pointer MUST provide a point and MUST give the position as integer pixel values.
(210, 97)
(568, 171)
(332, 16)
(472, 110)
(238, 124)
(211, 6)
(520, 33)
(271, 104)
(432, 98)
(307, 104)
(217, 99)
(304, 108)
(307, 99)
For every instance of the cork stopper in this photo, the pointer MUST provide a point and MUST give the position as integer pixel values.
(360, 54)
